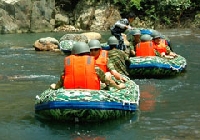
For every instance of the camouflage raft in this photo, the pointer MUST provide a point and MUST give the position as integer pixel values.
(88, 105)
(156, 67)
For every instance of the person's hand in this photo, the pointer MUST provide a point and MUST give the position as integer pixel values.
(121, 86)
(56, 86)
(123, 79)
(129, 27)
(173, 54)
(168, 57)
(53, 86)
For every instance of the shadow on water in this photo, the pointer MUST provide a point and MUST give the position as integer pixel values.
(92, 130)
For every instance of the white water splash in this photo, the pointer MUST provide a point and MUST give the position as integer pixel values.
(30, 76)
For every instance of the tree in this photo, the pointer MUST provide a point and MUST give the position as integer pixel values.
(176, 8)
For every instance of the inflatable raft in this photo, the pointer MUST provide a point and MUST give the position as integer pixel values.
(88, 105)
(156, 67)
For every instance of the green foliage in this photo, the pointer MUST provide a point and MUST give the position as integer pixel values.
(176, 8)
(135, 3)
(181, 4)
(165, 11)
(166, 20)
(160, 11)
(128, 4)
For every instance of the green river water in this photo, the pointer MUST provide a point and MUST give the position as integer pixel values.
(169, 108)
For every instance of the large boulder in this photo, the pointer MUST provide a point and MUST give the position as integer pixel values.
(20, 16)
(75, 37)
(92, 35)
(46, 44)
(62, 18)
(95, 16)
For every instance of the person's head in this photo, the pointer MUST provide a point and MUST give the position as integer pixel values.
(136, 34)
(145, 38)
(80, 48)
(131, 17)
(156, 37)
(95, 48)
(113, 42)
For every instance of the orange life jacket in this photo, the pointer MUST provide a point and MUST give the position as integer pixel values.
(145, 49)
(161, 47)
(80, 73)
(101, 61)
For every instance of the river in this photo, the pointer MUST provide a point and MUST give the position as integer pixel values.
(169, 108)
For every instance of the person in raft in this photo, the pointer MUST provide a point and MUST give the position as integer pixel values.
(161, 46)
(145, 47)
(119, 61)
(102, 60)
(80, 71)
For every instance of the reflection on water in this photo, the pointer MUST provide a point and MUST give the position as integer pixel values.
(148, 94)
(169, 108)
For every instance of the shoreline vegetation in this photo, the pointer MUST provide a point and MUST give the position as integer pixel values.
(95, 15)
(154, 14)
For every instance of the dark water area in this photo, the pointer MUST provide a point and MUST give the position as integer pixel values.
(169, 108)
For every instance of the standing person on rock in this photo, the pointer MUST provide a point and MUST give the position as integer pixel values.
(120, 27)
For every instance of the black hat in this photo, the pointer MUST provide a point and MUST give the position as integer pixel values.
(131, 15)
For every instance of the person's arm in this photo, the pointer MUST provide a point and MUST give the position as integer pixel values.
(157, 53)
(126, 59)
(113, 84)
(118, 76)
(167, 50)
(123, 24)
(112, 70)
(132, 51)
(108, 80)
(100, 73)
(59, 84)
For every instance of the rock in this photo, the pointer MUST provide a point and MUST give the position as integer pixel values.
(49, 39)
(75, 37)
(22, 16)
(62, 18)
(46, 44)
(92, 35)
(68, 28)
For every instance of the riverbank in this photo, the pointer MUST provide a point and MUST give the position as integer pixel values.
(80, 15)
